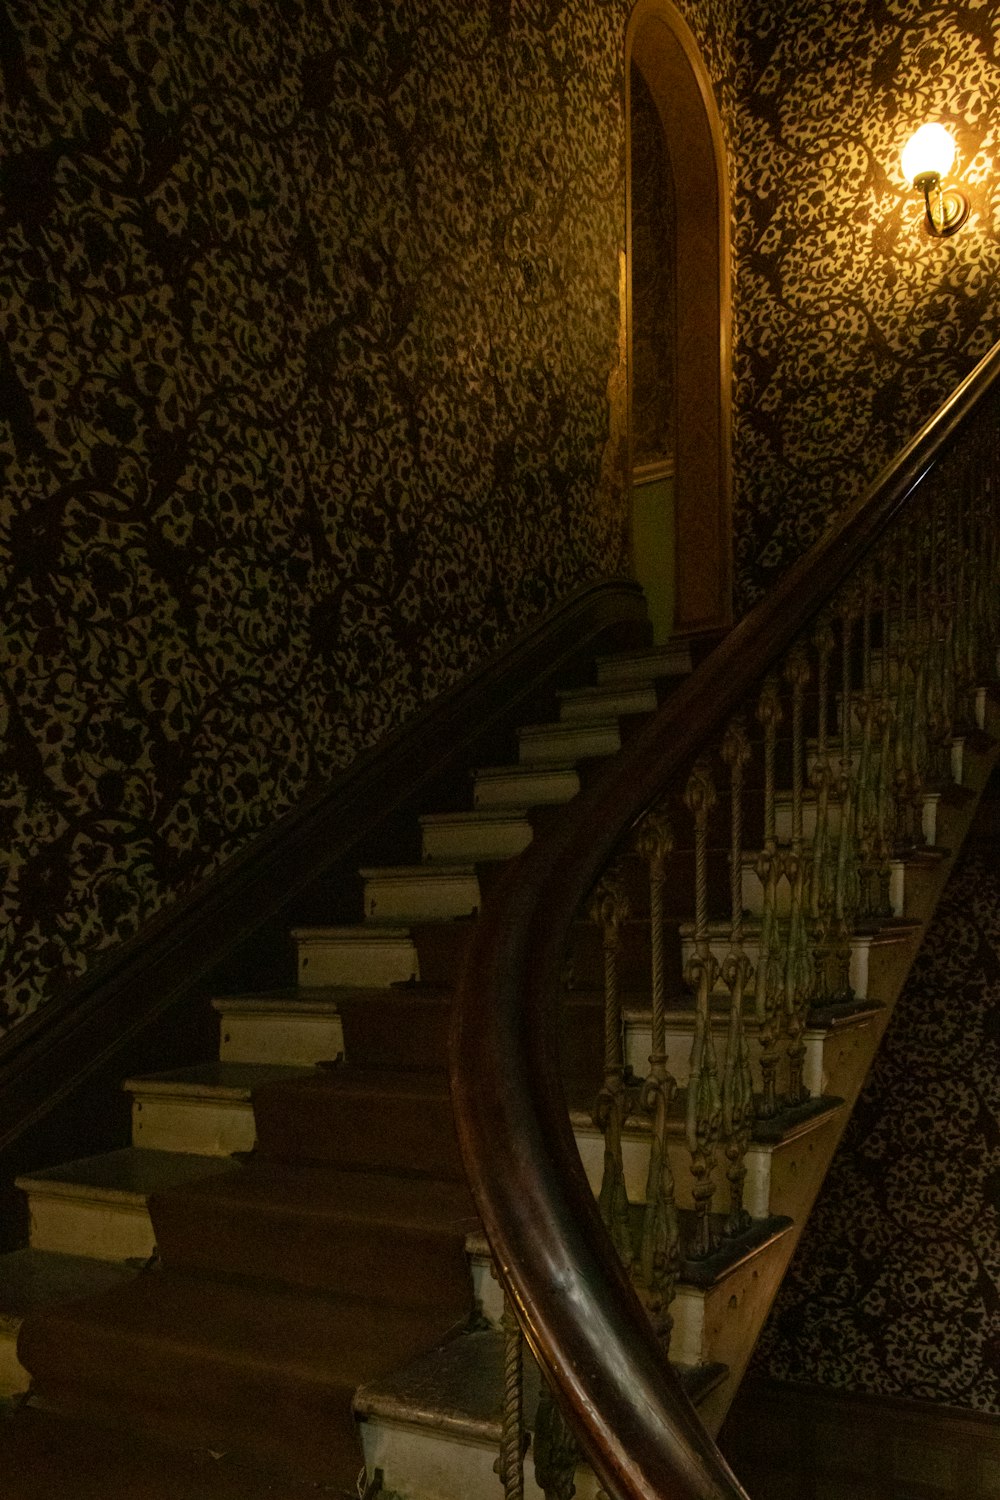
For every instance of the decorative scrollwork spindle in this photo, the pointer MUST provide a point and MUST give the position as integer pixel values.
(659, 1247)
(513, 1436)
(614, 1104)
(557, 1453)
(799, 965)
(703, 1118)
(737, 1078)
(769, 979)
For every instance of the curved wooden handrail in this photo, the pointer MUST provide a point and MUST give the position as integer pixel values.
(578, 1312)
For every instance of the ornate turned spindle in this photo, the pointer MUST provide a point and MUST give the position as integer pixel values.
(513, 1437)
(737, 1079)
(556, 1451)
(823, 875)
(703, 1115)
(847, 888)
(609, 909)
(769, 980)
(799, 966)
(659, 1248)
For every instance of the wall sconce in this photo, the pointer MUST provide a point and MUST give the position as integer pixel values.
(927, 157)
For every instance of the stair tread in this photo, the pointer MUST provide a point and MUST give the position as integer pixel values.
(458, 1388)
(476, 815)
(321, 1192)
(49, 1456)
(319, 1001)
(217, 1080)
(369, 932)
(390, 1083)
(31, 1278)
(439, 870)
(128, 1175)
(310, 1338)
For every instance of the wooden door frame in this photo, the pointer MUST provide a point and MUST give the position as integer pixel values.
(663, 47)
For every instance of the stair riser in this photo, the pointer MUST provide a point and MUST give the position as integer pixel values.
(373, 961)
(101, 1231)
(427, 896)
(569, 742)
(776, 1175)
(753, 890)
(783, 819)
(649, 666)
(14, 1378)
(404, 1036)
(290, 1040)
(414, 1269)
(526, 786)
(865, 956)
(639, 1041)
(204, 1127)
(476, 842)
(304, 1433)
(416, 1135)
(418, 1464)
(579, 708)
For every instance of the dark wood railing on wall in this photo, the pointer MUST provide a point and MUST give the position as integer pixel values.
(812, 736)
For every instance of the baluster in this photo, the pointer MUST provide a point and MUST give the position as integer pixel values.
(703, 1117)
(866, 712)
(847, 886)
(885, 763)
(513, 1438)
(938, 718)
(609, 909)
(769, 978)
(918, 741)
(799, 966)
(556, 1451)
(904, 676)
(659, 1248)
(737, 1079)
(822, 875)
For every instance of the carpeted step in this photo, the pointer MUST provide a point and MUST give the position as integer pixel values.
(404, 1026)
(45, 1456)
(401, 1239)
(366, 1120)
(264, 1373)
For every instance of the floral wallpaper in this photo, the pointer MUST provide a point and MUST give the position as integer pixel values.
(310, 395)
(852, 323)
(894, 1289)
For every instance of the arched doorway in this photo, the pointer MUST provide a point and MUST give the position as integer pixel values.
(678, 312)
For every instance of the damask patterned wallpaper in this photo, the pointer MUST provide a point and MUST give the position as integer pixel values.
(852, 324)
(309, 396)
(894, 1288)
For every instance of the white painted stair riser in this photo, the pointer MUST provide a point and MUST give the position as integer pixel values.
(424, 1463)
(773, 1169)
(290, 1035)
(783, 817)
(610, 701)
(752, 889)
(420, 893)
(524, 786)
(199, 1124)
(475, 837)
(14, 1378)
(364, 957)
(568, 742)
(99, 1228)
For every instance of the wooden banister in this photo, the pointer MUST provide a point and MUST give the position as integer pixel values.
(559, 1269)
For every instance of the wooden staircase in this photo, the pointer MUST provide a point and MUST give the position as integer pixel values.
(289, 1235)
